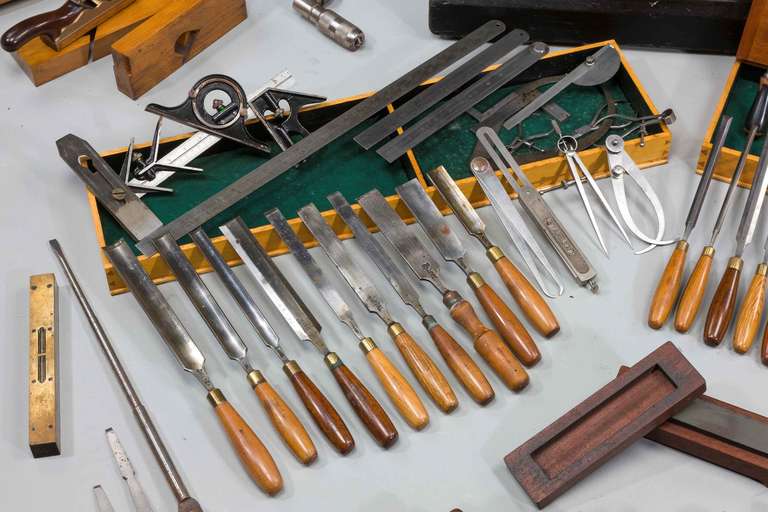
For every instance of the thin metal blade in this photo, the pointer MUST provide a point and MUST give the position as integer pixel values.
(354, 276)
(706, 177)
(273, 283)
(140, 501)
(313, 270)
(737, 428)
(458, 202)
(102, 501)
(433, 222)
(376, 252)
(754, 203)
(402, 239)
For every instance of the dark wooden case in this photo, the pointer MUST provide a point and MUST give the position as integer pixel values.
(621, 412)
(706, 26)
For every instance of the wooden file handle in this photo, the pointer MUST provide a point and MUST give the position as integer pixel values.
(669, 286)
(323, 413)
(252, 452)
(47, 25)
(490, 347)
(533, 305)
(748, 320)
(424, 369)
(461, 364)
(721, 309)
(367, 408)
(505, 321)
(690, 300)
(398, 389)
(283, 419)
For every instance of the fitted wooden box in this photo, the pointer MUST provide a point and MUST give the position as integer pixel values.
(346, 167)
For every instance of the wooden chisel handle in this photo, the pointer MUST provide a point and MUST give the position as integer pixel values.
(669, 287)
(489, 345)
(283, 419)
(505, 321)
(690, 300)
(323, 413)
(461, 364)
(751, 312)
(532, 304)
(252, 452)
(424, 369)
(367, 408)
(764, 348)
(398, 389)
(721, 309)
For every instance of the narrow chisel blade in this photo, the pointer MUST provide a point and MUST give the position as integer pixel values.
(140, 501)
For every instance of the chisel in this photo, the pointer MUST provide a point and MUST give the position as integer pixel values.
(668, 287)
(306, 327)
(451, 248)
(751, 312)
(486, 341)
(398, 389)
(460, 363)
(127, 473)
(423, 368)
(280, 414)
(533, 305)
(102, 501)
(323, 413)
(186, 503)
(720, 311)
(251, 451)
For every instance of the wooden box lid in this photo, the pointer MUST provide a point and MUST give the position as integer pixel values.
(754, 42)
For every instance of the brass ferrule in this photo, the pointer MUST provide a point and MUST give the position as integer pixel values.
(762, 269)
(366, 345)
(708, 251)
(429, 322)
(291, 368)
(735, 263)
(682, 244)
(332, 360)
(255, 377)
(216, 397)
(494, 254)
(475, 280)
(395, 329)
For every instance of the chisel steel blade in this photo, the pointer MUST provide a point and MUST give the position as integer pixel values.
(376, 252)
(432, 220)
(402, 239)
(140, 501)
(458, 202)
(273, 283)
(313, 270)
(354, 276)
(102, 501)
(754, 204)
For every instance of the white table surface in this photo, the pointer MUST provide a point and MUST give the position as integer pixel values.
(457, 460)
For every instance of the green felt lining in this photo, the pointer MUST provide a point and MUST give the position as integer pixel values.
(738, 104)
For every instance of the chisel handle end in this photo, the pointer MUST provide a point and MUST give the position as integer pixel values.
(251, 451)
(751, 312)
(668, 287)
(690, 300)
(721, 309)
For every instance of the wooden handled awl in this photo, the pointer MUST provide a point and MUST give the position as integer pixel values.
(668, 288)
(398, 389)
(252, 453)
(306, 328)
(531, 303)
(461, 364)
(451, 248)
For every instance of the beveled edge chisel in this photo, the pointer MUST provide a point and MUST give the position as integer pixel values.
(422, 366)
(425, 267)
(463, 367)
(282, 417)
(307, 329)
(396, 386)
(254, 456)
(512, 331)
(531, 303)
(127, 473)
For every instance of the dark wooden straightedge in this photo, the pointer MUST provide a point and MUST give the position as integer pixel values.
(711, 448)
(587, 436)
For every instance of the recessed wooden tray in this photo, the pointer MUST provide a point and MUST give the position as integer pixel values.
(704, 445)
(601, 426)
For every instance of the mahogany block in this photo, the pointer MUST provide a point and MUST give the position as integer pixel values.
(711, 448)
(622, 411)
